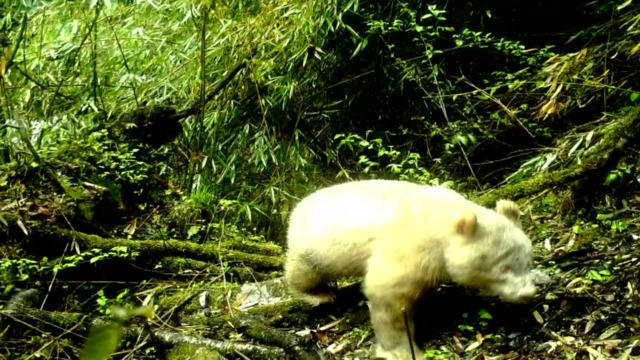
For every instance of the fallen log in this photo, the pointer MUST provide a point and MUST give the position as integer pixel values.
(52, 235)
(614, 137)
(44, 238)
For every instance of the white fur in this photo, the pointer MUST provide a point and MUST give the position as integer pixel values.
(403, 239)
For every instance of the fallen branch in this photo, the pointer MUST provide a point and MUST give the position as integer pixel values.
(261, 331)
(21, 309)
(228, 348)
(250, 324)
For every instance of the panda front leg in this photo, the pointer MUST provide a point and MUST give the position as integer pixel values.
(391, 301)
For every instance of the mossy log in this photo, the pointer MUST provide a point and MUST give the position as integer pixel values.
(179, 265)
(159, 248)
(44, 238)
(614, 137)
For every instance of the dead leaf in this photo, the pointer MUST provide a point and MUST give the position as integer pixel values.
(337, 347)
(610, 331)
(330, 325)
(11, 205)
(589, 326)
(130, 229)
(593, 353)
(609, 349)
(22, 227)
(95, 187)
(473, 345)
(321, 336)
(457, 346)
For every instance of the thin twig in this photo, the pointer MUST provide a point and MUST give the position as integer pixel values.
(39, 351)
(356, 77)
(97, 98)
(73, 58)
(41, 85)
(22, 132)
(509, 112)
(446, 118)
(203, 79)
(53, 279)
(23, 28)
(124, 61)
(406, 327)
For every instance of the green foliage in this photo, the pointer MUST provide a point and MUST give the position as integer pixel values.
(481, 318)
(12, 270)
(377, 158)
(484, 314)
(301, 88)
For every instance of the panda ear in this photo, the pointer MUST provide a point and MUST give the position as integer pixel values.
(466, 224)
(509, 209)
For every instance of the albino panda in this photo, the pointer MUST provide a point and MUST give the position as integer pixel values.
(403, 239)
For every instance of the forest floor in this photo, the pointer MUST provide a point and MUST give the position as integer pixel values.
(205, 298)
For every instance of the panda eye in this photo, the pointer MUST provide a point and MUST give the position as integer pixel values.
(505, 269)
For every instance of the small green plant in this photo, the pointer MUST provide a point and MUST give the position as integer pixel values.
(12, 270)
(106, 304)
(577, 229)
(619, 174)
(616, 225)
(484, 317)
(602, 275)
(619, 226)
(437, 354)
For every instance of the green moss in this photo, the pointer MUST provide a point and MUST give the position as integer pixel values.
(192, 352)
